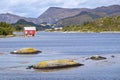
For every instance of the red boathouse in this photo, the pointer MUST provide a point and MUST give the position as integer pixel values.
(29, 31)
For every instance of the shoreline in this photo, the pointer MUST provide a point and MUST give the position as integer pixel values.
(85, 32)
(7, 36)
(15, 35)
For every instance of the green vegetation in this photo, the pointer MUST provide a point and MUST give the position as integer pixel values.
(6, 29)
(19, 27)
(99, 25)
(20, 24)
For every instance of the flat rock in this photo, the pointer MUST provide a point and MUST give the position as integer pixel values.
(55, 64)
(26, 51)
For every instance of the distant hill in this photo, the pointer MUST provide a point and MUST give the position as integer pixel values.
(11, 18)
(99, 25)
(88, 16)
(23, 23)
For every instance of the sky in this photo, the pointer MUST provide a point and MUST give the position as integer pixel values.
(34, 8)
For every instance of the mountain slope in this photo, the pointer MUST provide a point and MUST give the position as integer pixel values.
(80, 18)
(110, 10)
(54, 14)
(65, 16)
(11, 18)
(87, 16)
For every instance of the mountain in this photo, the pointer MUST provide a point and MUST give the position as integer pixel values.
(53, 14)
(110, 10)
(80, 18)
(11, 18)
(65, 16)
(88, 16)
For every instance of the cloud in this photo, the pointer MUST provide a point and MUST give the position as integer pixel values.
(33, 8)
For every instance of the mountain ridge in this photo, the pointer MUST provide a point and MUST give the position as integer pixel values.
(54, 14)
(12, 18)
(88, 16)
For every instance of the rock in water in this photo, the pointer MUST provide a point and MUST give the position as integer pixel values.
(26, 51)
(112, 56)
(97, 57)
(1, 53)
(54, 64)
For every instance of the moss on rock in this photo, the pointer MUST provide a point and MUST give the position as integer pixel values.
(26, 51)
(52, 64)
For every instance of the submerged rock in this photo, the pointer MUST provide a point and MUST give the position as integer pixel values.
(55, 64)
(26, 51)
(112, 56)
(97, 57)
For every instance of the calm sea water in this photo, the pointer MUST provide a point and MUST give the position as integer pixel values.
(61, 46)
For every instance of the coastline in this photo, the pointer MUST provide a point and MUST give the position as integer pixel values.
(7, 36)
(85, 32)
(15, 35)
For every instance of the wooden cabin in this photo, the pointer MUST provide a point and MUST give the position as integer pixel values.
(29, 31)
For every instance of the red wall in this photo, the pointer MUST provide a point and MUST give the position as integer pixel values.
(29, 32)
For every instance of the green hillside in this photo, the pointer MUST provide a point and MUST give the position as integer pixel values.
(80, 18)
(20, 24)
(99, 25)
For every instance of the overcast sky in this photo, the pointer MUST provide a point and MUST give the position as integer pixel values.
(34, 8)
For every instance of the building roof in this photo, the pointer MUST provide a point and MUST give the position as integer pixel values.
(29, 28)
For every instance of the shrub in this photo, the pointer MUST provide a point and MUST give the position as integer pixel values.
(6, 29)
